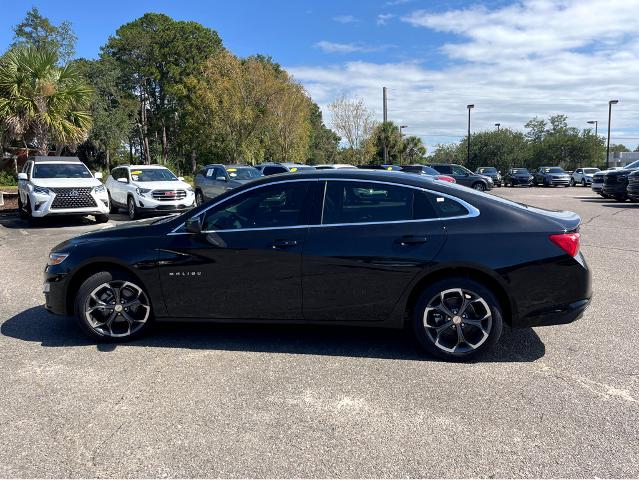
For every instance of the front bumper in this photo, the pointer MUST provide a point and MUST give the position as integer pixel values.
(149, 204)
(615, 188)
(521, 181)
(557, 182)
(55, 289)
(42, 206)
(597, 187)
(633, 191)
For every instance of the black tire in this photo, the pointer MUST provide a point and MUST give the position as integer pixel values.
(83, 296)
(102, 218)
(131, 209)
(479, 186)
(620, 197)
(583, 183)
(199, 198)
(22, 212)
(112, 207)
(494, 325)
(572, 182)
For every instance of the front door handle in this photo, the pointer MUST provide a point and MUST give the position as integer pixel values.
(411, 240)
(283, 243)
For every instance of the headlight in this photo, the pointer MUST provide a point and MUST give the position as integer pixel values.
(99, 189)
(189, 189)
(142, 191)
(41, 190)
(57, 258)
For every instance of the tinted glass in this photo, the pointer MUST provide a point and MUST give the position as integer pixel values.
(152, 175)
(634, 164)
(591, 170)
(485, 170)
(361, 202)
(457, 170)
(280, 205)
(519, 171)
(445, 169)
(243, 173)
(273, 170)
(446, 207)
(61, 170)
(423, 205)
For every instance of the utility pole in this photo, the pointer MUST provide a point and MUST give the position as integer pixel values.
(385, 108)
(591, 122)
(401, 146)
(469, 107)
(610, 104)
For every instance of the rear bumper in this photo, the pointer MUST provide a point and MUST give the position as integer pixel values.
(557, 315)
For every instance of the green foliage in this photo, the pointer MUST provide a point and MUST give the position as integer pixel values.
(38, 32)
(413, 150)
(8, 178)
(619, 148)
(40, 102)
(386, 134)
(324, 142)
(449, 153)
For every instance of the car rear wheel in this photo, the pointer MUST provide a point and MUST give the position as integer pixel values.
(111, 305)
(457, 319)
(131, 208)
(621, 197)
(479, 186)
(199, 198)
(572, 182)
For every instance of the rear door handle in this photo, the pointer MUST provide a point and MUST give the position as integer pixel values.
(283, 243)
(411, 240)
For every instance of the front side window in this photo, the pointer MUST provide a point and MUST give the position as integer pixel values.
(457, 170)
(243, 173)
(61, 170)
(152, 175)
(279, 205)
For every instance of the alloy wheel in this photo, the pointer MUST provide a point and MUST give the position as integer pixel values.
(198, 198)
(131, 205)
(457, 320)
(479, 186)
(117, 309)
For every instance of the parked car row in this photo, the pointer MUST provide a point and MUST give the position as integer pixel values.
(620, 183)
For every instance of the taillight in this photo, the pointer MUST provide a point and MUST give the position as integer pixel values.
(445, 178)
(568, 242)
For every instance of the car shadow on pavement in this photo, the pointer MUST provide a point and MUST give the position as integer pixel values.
(37, 325)
(12, 220)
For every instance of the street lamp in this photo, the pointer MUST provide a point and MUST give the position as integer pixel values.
(401, 147)
(610, 104)
(469, 107)
(498, 125)
(595, 123)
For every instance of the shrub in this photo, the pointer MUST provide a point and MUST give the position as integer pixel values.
(8, 177)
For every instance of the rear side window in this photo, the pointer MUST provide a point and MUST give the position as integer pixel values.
(431, 205)
(445, 169)
(363, 202)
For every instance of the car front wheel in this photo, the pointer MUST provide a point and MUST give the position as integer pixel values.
(199, 198)
(131, 208)
(457, 319)
(479, 186)
(112, 305)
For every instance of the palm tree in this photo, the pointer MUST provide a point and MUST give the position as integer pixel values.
(40, 102)
(413, 149)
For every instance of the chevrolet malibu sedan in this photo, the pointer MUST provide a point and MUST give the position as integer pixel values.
(349, 247)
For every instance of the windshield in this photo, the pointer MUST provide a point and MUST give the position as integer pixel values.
(61, 170)
(591, 170)
(487, 170)
(152, 175)
(553, 170)
(243, 173)
(634, 164)
(298, 168)
(520, 171)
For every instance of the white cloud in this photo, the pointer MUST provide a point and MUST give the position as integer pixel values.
(534, 58)
(345, 19)
(383, 18)
(333, 47)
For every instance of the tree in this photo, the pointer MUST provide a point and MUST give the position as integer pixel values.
(113, 110)
(41, 103)
(449, 153)
(503, 149)
(352, 120)
(156, 55)
(38, 32)
(387, 134)
(323, 141)
(413, 150)
(618, 148)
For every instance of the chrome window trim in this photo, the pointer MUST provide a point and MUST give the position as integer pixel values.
(472, 211)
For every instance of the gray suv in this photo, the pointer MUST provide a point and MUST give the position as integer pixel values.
(213, 180)
(465, 177)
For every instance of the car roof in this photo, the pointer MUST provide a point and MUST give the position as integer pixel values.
(45, 159)
(224, 165)
(143, 166)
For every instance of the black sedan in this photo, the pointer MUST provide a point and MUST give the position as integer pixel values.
(353, 247)
(633, 186)
(518, 176)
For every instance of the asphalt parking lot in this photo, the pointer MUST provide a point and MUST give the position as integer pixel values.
(280, 401)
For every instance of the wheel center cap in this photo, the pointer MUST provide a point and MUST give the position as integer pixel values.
(118, 308)
(457, 319)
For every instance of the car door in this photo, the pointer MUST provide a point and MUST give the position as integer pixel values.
(372, 240)
(23, 190)
(246, 263)
(118, 189)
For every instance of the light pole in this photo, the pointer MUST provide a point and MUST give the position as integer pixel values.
(593, 122)
(401, 147)
(498, 125)
(469, 107)
(610, 104)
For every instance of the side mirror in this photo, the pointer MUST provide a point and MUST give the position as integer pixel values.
(22, 176)
(194, 225)
(123, 180)
(221, 179)
(98, 175)
(181, 179)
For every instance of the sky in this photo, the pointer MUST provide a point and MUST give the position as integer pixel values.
(512, 60)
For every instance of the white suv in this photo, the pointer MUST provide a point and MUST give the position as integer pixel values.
(582, 176)
(148, 189)
(60, 186)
